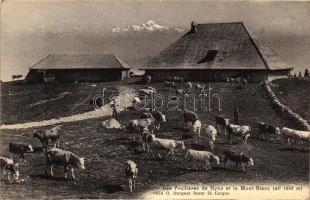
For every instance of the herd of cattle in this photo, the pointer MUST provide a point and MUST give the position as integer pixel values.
(146, 126)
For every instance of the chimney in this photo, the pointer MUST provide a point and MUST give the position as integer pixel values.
(193, 27)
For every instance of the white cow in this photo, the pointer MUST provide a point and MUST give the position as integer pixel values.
(203, 156)
(241, 131)
(287, 133)
(131, 173)
(211, 134)
(196, 128)
(137, 125)
(166, 144)
(8, 166)
(56, 156)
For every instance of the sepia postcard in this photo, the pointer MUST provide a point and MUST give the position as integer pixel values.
(154, 99)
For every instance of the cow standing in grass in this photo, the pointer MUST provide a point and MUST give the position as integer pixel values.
(189, 117)
(267, 129)
(131, 173)
(8, 167)
(221, 122)
(20, 150)
(48, 135)
(138, 125)
(203, 156)
(56, 156)
(157, 116)
(211, 134)
(240, 131)
(237, 158)
(288, 134)
(158, 144)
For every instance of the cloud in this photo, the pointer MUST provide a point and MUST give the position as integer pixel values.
(149, 26)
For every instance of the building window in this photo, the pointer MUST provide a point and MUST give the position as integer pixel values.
(211, 54)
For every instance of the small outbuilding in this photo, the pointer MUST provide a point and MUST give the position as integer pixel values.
(78, 67)
(215, 52)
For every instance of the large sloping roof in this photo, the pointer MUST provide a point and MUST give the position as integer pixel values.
(235, 47)
(80, 61)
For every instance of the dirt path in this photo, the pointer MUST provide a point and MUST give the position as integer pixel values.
(124, 100)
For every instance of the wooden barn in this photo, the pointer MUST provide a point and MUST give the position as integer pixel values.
(214, 52)
(78, 67)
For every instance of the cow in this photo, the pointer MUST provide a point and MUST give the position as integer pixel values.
(211, 134)
(48, 135)
(241, 131)
(20, 150)
(137, 125)
(56, 156)
(166, 144)
(238, 158)
(221, 121)
(189, 116)
(203, 156)
(147, 138)
(157, 116)
(9, 167)
(196, 128)
(267, 129)
(131, 173)
(288, 133)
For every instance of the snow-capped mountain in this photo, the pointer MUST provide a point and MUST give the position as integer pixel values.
(149, 26)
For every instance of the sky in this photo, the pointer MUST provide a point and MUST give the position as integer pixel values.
(32, 29)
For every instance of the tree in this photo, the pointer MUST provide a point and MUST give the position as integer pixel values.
(299, 75)
(306, 73)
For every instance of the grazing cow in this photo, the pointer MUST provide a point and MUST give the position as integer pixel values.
(147, 138)
(131, 173)
(8, 166)
(288, 133)
(48, 135)
(20, 149)
(166, 144)
(221, 121)
(189, 116)
(56, 156)
(196, 128)
(157, 116)
(211, 134)
(203, 156)
(137, 125)
(241, 131)
(237, 158)
(267, 129)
